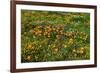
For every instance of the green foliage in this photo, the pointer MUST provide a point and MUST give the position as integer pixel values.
(54, 36)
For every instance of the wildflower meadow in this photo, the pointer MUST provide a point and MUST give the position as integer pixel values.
(54, 36)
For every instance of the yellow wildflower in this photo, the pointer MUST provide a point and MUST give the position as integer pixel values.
(65, 46)
(74, 50)
(70, 41)
(29, 58)
(82, 50)
(29, 46)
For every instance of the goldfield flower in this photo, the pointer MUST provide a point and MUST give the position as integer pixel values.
(70, 34)
(38, 27)
(58, 36)
(31, 31)
(82, 50)
(65, 33)
(56, 49)
(75, 55)
(40, 46)
(54, 46)
(74, 51)
(38, 32)
(65, 46)
(49, 29)
(25, 33)
(70, 41)
(45, 33)
(59, 27)
(61, 31)
(29, 46)
(29, 58)
(48, 36)
(85, 38)
(54, 28)
(48, 26)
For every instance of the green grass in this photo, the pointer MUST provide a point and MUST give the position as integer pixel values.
(54, 36)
